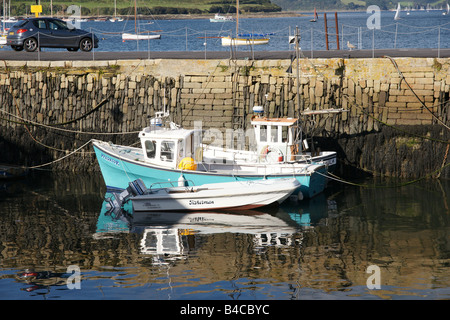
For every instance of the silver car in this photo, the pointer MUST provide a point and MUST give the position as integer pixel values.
(33, 33)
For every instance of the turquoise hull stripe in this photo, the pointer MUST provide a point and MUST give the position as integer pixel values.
(117, 173)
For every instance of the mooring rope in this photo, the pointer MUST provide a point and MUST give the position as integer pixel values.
(26, 122)
(332, 176)
(59, 159)
(414, 93)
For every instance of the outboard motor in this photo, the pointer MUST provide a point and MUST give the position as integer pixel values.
(135, 188)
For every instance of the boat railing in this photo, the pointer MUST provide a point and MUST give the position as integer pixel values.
(265, 169)
(172, 184)
(302, 157)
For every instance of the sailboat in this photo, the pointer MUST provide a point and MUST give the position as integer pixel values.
(316, 16)
(247, 39)
(135, 35)
(448, 10)
(397, 12)
(115, 14)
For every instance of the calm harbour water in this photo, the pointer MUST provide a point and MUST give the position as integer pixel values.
(419, 29)
(316, 249)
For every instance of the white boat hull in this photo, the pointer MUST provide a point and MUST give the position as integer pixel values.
(132, 36)
(217, 196)
(228, 41)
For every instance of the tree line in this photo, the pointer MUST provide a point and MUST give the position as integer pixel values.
(61, 9)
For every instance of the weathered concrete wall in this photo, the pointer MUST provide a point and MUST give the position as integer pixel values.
(389, 105)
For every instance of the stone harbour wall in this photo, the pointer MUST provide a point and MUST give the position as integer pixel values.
(394, 117)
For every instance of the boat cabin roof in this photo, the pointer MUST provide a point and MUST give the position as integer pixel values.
(162, 133)
(273, 121)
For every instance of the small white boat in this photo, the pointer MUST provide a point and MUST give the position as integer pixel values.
(134, 36)
(241, 41)
(138, 35)
(220, 18)
(216, 196)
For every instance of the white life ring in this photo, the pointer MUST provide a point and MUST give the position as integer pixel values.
(271, 154)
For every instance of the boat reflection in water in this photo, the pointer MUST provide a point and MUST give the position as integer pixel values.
(168, 235)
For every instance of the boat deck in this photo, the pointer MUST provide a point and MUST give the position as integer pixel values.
(135, 155)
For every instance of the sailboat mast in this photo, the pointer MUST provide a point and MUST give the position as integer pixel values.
(237, 17)
(135, 14)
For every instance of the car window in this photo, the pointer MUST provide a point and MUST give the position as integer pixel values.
(40, 24)
(57, 25)
(20, 23)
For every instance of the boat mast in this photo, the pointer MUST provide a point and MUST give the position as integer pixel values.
(297, 55)
(237, 18)
(135, 13)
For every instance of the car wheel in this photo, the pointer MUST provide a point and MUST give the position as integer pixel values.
(17, 48)
(72, 49)
(86, 44)
(30, 44)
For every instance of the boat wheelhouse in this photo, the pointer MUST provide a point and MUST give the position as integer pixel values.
(274, 140)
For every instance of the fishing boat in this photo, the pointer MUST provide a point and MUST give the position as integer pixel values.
(171, 153)
(164, 196)
(243, 39)
(220, 18)
(139, 35)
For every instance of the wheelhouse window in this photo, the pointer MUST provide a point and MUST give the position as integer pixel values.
(150, 148)
(284, 134)
(263, 133)
(167, 150)
(274, 133)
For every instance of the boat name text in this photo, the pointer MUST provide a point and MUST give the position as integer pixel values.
(200, 202)
(113, 161)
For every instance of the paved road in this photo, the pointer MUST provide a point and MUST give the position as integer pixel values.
(257, 55)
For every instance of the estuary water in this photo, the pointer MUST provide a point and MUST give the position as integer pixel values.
(375, 240)
(414, 29)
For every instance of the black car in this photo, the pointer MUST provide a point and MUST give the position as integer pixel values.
(33, 33)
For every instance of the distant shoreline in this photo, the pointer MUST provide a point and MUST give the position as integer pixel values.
(241, 15)
(284, 14)
(200, 16)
